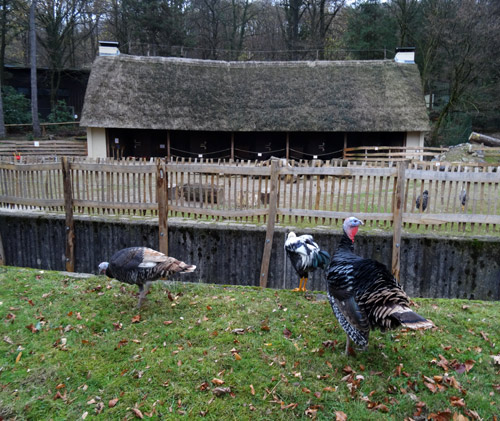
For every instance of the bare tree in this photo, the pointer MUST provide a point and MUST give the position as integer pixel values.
(321, 14)
(57, 21)
(466, 32)
(37, 132)
(406, 13)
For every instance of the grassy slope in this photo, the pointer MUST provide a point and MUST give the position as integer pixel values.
(89, 349)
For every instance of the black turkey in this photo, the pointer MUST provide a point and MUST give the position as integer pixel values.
(306, 256)
(364, 295)
(463, 198)
(424, 199)
(141, 266)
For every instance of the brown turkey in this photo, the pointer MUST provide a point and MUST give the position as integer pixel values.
(141, 266)
(364, 294)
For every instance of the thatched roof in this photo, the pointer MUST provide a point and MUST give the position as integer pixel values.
(181, 94)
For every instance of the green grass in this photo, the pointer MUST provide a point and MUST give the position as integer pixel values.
(69, 346)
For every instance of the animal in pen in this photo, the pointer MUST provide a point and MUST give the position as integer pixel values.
(141, 266)
(424, 200)
(463, 198)
(364, 295)
(198, 192)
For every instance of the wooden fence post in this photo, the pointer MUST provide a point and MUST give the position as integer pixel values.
(273, 205)
(161, 194)
(68, 207)
(397, 218)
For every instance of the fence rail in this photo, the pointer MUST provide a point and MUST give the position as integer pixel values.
(421, 196)
(391, 153)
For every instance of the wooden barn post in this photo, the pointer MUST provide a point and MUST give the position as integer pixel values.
(287, 150)
(68, 208)
(161, 194)
(271, 220)
(232, 146)
(397, 221)
(168, 145)
(2, 253)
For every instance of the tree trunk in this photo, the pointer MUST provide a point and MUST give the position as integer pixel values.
(2, 125)
(485, 140)
(34, 89)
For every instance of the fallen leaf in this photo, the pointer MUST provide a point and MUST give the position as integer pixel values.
(112, 403)
(340, 416)
(32, 328)
(238, 331)
(8, 340)
(99, 407)
(431, 387)
(381, 407)
(18, 358)
(136, 319)
(60, 386)
(287, 333)
(329, 389)
(252, 390)
(218, 382)
(218, 391)
(496, 359)
(237, 356)
(137, 412)
(167, 322)
(456, 401)
(84, 415)
(59, 396)
(440, 416)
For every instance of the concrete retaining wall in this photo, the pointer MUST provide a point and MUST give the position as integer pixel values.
(431, 266)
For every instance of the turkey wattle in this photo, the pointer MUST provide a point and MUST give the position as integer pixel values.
(141, 266)
(306, 256)
(364, 294)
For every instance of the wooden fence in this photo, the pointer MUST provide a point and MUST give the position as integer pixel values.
(36, 148)
(314, 193)
(391, 153)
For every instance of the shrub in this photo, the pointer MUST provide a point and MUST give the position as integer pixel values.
(60, 113)
(16, 107)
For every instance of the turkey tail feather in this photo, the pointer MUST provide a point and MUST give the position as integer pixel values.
(176, 266)
(412, 320)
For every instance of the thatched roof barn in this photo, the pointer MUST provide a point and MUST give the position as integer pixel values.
(142, 103)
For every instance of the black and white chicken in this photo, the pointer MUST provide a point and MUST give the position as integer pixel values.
(424, 200)
(364, 294)
(141, 266)
(306, 256)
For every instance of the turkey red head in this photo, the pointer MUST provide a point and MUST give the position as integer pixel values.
(351, 226)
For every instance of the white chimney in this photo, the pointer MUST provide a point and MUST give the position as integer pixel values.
(405, 55)
(108, 48)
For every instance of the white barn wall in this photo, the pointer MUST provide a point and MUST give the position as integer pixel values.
(96, 142)
(415, 139)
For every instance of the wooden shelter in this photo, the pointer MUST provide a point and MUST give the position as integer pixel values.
(156, 106)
